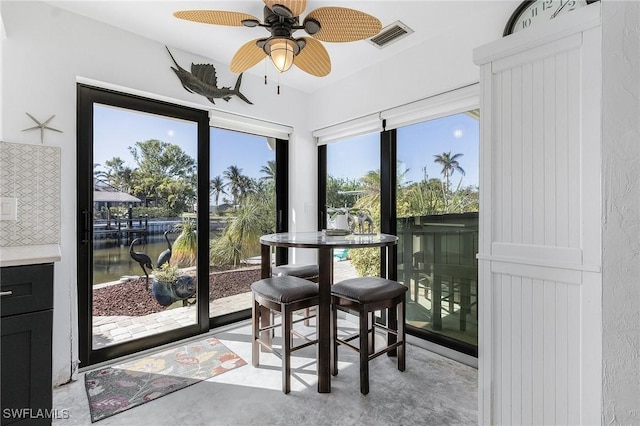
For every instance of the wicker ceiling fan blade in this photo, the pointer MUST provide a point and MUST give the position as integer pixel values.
(295, 6)
(340, 24)
(247, 56)
(314, 58)
(215, 17)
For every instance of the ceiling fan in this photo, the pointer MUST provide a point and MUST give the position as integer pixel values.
(282, 19)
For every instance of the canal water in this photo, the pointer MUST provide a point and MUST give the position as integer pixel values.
(110, 261)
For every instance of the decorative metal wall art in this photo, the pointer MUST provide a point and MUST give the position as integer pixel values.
(42, 126)
(203, 80)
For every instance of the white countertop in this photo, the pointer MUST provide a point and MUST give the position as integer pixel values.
(29, 255)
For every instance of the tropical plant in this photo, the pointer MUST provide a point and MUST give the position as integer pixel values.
(99, 174)
(342, 192)
(185, 247)
(246, 186)
(225, 251)
(370, 199)
(241, 238)
(449, 165)
(164, 173)
(216, 187)
(269, 171)
(419, 199)
(366, 261)
(118, 175)
(233, 174)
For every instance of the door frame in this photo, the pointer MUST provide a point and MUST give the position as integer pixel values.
(87, 96)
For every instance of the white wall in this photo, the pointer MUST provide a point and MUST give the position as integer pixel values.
(621, 201)
(46, 49)
(433, 67)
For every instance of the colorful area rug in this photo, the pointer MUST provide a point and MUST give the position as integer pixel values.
(121, 387)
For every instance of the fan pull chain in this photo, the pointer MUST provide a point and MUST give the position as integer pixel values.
(265, 71)
(279, 82)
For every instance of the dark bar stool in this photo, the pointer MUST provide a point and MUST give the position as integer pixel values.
(367, 295)
(285, 295)
(308, 272)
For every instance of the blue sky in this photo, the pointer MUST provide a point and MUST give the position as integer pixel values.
(116, 129)
(417, 145)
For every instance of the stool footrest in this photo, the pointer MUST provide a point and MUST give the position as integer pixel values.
(277, 353)
(347, 344)
(385, 350)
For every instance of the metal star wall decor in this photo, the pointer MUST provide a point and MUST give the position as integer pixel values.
(41, 126)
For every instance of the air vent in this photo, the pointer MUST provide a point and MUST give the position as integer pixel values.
(391, 34)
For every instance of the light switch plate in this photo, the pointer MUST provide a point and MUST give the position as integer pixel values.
(8, 208)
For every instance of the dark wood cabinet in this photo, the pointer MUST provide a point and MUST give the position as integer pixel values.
(26, 335)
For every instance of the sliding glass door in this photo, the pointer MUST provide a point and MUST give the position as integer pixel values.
(140, 189)
(248, 181)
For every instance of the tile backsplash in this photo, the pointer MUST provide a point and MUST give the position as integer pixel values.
(31, 174)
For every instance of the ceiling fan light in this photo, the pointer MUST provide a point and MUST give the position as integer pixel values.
(282, 52)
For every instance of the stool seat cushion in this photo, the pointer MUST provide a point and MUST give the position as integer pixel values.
(368, 289)
(300, 271)
(285, 289)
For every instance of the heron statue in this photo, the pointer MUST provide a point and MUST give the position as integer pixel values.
(165, 256)
(142, 258)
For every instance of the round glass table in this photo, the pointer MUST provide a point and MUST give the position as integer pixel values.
(325, 245)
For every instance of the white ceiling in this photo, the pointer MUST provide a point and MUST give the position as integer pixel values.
(430, 20)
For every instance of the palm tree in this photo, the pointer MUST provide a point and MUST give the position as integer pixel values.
(269, 170)
(449, 165)
(233, 174)
(370, 184)
(245, 186)
(99, 174)
(217, 186)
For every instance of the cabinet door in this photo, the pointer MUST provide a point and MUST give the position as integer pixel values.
(26, 367)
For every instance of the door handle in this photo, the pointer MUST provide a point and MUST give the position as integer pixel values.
(6, 293)
(87, 231)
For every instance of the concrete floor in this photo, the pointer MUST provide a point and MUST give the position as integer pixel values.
(432, 391)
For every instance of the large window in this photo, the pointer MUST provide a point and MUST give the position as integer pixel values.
(420, 180)
(437, 226)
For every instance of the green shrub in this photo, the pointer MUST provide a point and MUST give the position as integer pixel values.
(366, 261)
(152, 212)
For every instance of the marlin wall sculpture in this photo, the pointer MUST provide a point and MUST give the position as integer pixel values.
(203, 81)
